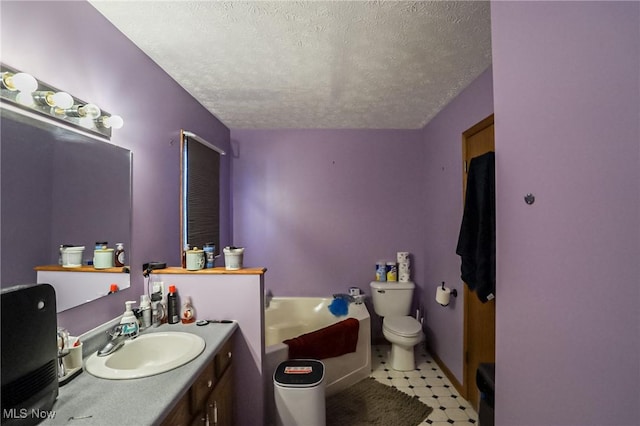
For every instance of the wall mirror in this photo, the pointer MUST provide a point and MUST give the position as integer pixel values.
(199, 191)
(58, 187)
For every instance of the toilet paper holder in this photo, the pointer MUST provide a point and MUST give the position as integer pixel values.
(453, 291)
(443, 295)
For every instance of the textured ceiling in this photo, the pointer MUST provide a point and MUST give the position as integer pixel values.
(308, 64)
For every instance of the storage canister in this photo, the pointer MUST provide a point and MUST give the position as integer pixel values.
(233, 258)
(209, 251)
(381, 270)
(392, 271)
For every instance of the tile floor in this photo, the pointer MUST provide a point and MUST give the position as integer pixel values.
(428, 383)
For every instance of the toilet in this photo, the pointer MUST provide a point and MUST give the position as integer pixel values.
(392, 301)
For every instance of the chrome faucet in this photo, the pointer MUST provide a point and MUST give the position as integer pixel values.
(118, 335)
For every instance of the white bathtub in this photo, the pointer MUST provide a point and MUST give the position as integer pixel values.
(288, 317)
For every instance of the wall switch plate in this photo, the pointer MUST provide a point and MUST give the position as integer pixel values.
(157, 287)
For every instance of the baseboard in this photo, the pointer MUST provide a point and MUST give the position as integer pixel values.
(454, 381)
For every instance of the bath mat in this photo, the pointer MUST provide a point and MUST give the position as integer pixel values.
(369, 402)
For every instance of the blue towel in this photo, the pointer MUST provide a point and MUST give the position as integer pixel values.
(339, 307)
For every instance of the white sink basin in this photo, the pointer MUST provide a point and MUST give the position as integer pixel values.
(147, 355)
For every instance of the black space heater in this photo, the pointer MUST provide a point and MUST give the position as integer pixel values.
(29, 354)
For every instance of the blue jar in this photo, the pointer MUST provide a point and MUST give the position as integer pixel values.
(209, 252)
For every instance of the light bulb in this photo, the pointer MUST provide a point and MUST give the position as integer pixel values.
(21, 81)
(87, 122)
(25, 99)
(114, 122)
(6, 80)
(90, 111)
(62, 100)
(24, 82)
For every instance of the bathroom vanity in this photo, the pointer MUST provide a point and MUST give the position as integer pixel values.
(220, 294)
(209, 399)
(199, 392)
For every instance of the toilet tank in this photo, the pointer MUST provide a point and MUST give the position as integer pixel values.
(392, 298)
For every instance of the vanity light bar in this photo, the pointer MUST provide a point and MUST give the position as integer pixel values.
(30, 96)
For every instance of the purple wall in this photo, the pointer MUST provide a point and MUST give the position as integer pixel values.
(443, 182)
(567, 96)
(106, 68)
(318, 208)
(26, 213)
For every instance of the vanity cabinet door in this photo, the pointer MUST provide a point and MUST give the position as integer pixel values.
(200, 419)
(209, 400)
(181, 413)
(202, 387)
(220, 403)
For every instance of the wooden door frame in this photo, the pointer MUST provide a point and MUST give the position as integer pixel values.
(489, 121)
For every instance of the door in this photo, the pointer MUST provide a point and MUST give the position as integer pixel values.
(479, 318)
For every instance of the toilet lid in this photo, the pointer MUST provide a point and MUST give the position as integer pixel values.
(402, 326)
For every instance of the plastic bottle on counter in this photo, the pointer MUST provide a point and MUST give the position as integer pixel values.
(145, 307)
(157, 313)
(173, 309)
(188, 313)
(119, 255)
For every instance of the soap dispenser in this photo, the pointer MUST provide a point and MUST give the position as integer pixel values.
(129, 319)
(188, 313)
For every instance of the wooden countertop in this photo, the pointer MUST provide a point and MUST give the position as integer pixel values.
(220, 270)
(83, 268)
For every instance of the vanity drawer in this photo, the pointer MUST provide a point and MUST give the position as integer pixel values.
(223, 358)
(202, 387)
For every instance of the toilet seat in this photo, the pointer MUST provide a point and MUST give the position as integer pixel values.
(402, 326)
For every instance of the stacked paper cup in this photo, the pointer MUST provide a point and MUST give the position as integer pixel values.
(404, 266)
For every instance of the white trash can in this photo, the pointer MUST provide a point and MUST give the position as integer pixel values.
(299, 393)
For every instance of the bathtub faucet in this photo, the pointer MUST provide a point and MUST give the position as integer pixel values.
(349, 298)
(268, 295)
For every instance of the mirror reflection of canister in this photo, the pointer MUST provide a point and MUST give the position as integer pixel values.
(119, 255)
